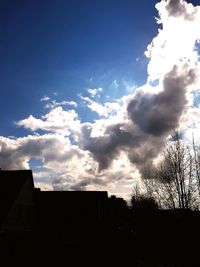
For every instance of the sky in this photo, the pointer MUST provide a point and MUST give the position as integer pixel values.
(91, 90)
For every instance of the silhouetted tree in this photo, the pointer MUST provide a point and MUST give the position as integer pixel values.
(177, 175)
(173, 183)
(142, 201)
(196, 150)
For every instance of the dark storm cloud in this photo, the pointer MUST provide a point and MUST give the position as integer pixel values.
(159, 114)
(152, 117)
(105, 148)
(140, 147)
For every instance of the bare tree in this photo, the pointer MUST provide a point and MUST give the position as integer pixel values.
(196, 151)
(180, 178)
(174, 182)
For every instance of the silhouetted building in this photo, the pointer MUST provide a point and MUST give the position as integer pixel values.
(117, 208)
(78, 224)
(71, 205)
(35, 222)
(16, 212)
(67, 219)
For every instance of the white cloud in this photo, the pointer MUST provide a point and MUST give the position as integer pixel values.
(93, 92)
(49, 148)
(54, 104)
(130, 87)
(176, 41)
(45, 98)
(104, 110)
(43, 186)
(57, 120)
(60, 159)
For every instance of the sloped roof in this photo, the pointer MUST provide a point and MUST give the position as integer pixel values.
(11, 183)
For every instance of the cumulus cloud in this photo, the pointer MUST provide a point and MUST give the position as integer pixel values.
(57, 120)
(153, 115)
(57, 155)
(140, 147)
(176, 41)
(48, 148)
(179, 8)
(158, 114)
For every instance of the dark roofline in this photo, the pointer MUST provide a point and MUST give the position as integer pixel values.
(105, 193)
(15, 170)
(80, 191)
(11, 184)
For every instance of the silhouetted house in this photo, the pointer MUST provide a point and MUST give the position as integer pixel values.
(53, 222)
(68, 218)
(71, 205)
(16, 212)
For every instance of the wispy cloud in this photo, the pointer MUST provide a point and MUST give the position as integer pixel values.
(45, 98)
(95, 91)
(104, 110)
(53, 104)
(115, 84)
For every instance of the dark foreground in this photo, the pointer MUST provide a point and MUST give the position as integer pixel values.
(138, 238)
(73, 228)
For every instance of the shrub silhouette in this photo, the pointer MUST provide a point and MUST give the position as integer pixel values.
(143, 202)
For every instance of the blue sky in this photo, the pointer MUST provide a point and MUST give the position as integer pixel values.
(80, 82)
(67, 46)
